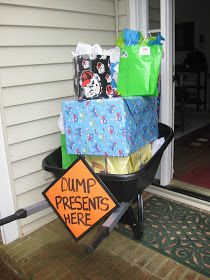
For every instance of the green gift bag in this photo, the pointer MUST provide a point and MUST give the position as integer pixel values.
(139, 70)
(67, 160)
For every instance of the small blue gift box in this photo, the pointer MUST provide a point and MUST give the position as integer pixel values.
(112, 127)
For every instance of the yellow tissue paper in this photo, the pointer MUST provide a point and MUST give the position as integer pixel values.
(120, 165)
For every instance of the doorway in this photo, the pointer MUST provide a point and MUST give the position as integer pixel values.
(192, 102)
(163, 14)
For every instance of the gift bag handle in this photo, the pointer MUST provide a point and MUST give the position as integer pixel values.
(145, 35)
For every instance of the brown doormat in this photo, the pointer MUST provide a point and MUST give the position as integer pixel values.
(176, 231)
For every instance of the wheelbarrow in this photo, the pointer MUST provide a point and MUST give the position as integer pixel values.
(127, 189)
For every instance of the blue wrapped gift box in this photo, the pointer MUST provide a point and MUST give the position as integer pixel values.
(112, 127)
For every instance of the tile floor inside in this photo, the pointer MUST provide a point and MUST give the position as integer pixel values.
(186, 159)
(193, 120)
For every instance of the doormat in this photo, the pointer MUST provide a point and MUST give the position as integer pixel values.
(199, 176)
(176, 231)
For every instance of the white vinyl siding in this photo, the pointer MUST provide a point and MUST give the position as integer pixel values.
(122, 14)
(37, 38)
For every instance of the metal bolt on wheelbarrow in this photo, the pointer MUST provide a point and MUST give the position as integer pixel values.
(125, 188)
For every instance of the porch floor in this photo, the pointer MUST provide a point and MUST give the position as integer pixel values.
(51, 253)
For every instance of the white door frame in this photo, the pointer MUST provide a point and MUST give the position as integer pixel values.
(9, 231)
(139, 19)
(138, 14)
(167, 85)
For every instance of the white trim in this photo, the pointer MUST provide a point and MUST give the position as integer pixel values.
(138, 15)
(142, 10)
(173, 83)
(7, 207)
(132, 14)
(166, 104)
(116, 19)
(154, 31)
(200, 204)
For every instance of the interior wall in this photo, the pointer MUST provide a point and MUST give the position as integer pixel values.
(197, 12)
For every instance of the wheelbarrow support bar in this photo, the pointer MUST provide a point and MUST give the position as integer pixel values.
(108, 225)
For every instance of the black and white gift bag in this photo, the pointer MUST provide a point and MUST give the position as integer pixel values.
(92, 77)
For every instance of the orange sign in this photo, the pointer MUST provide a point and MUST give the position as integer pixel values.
(80, 198)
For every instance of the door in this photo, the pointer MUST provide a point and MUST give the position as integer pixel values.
(167, 27)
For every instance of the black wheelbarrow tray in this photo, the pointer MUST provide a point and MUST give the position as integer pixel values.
(126, 189)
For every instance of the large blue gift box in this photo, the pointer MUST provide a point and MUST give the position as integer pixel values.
(112, 127)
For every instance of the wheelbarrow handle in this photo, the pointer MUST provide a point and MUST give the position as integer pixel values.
(102, 233)
(23, 213)
(19, 214)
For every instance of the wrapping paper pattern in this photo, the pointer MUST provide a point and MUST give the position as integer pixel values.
(114, 74)
(92, 77)
(110, 127)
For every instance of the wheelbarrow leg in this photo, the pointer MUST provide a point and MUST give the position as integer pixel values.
(134, 218)
(140, 217)
(131, 220)
(108, 225)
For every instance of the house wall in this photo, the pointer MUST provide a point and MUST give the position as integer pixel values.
(122, 14)
(37, 38)
(154, 14)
